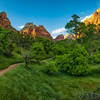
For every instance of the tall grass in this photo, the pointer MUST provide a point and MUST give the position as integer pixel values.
(5, 62)
(32, 84)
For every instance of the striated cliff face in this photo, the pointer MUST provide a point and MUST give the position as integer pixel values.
(4, 21)
(35, 31)
(94, 19)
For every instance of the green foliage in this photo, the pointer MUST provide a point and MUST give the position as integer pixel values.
(92, 45)
(6, 46)
(5, 62)
(62, 47)
(37, 51)
(58, 49)
(26, 41)
(91, 95)
(9, 41)
(91, 29)
(33, 84)
(47, 43)
(39, 48)
(63, 62)
(95, 58)
(51, 68)
(74, 63)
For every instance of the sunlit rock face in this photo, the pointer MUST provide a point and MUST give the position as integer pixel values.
(94, 19)
(5, 22)
(35, 31)
(68, 36)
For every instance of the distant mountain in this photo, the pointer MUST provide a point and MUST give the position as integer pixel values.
(68, 36)
(94, 19)
(35, 31)
(59, 38)
(5, 22)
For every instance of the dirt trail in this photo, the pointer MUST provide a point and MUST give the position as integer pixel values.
(7, 69)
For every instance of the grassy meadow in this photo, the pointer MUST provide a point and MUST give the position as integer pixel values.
(33, 84)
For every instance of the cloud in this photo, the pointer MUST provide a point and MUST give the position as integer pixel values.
(86, 18)
(54, 37)
(57, 31)
(21, 26)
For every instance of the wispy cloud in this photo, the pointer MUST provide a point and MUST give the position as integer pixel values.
(86, 18)
(59, 30)
(21, 26)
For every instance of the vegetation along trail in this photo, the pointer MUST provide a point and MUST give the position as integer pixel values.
(7, 69)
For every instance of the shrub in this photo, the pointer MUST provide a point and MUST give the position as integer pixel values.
(51, 68)
(95, 58)
(74, 63)
(91, 95)
(37, 51)
(58, 49)
(79, 66)
(63, 62)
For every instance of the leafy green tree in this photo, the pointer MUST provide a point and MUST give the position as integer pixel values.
(95, 58)
(75, 62)
(73, 25)
(37, 51)
(81, 29)
(27, 41)
(47, 43)
(91, 30)
(58, 49)
(89, 38)
(6, 42)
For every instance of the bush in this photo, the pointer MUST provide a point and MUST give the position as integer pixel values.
(91, 95)
(58, 49)
(74, 63)
(37, 51)
(95, 58)
(63, 62)
(51, 69)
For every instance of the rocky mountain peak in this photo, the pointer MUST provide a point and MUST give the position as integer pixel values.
(94, 19)
(5, 22)
(59, 38)
(98, 10)
(35, 31)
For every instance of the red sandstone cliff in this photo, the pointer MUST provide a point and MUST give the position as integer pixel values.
(4, 21)
(35, 31)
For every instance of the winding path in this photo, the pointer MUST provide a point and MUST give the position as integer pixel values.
(12, 66)
(7, 69)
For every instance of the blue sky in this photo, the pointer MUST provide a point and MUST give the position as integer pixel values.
(53, 14)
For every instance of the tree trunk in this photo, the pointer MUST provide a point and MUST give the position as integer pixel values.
(26, 61)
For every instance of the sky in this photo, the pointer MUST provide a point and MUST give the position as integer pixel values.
(52, 14)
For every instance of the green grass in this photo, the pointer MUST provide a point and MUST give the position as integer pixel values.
(32, 84)
(5, 62)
